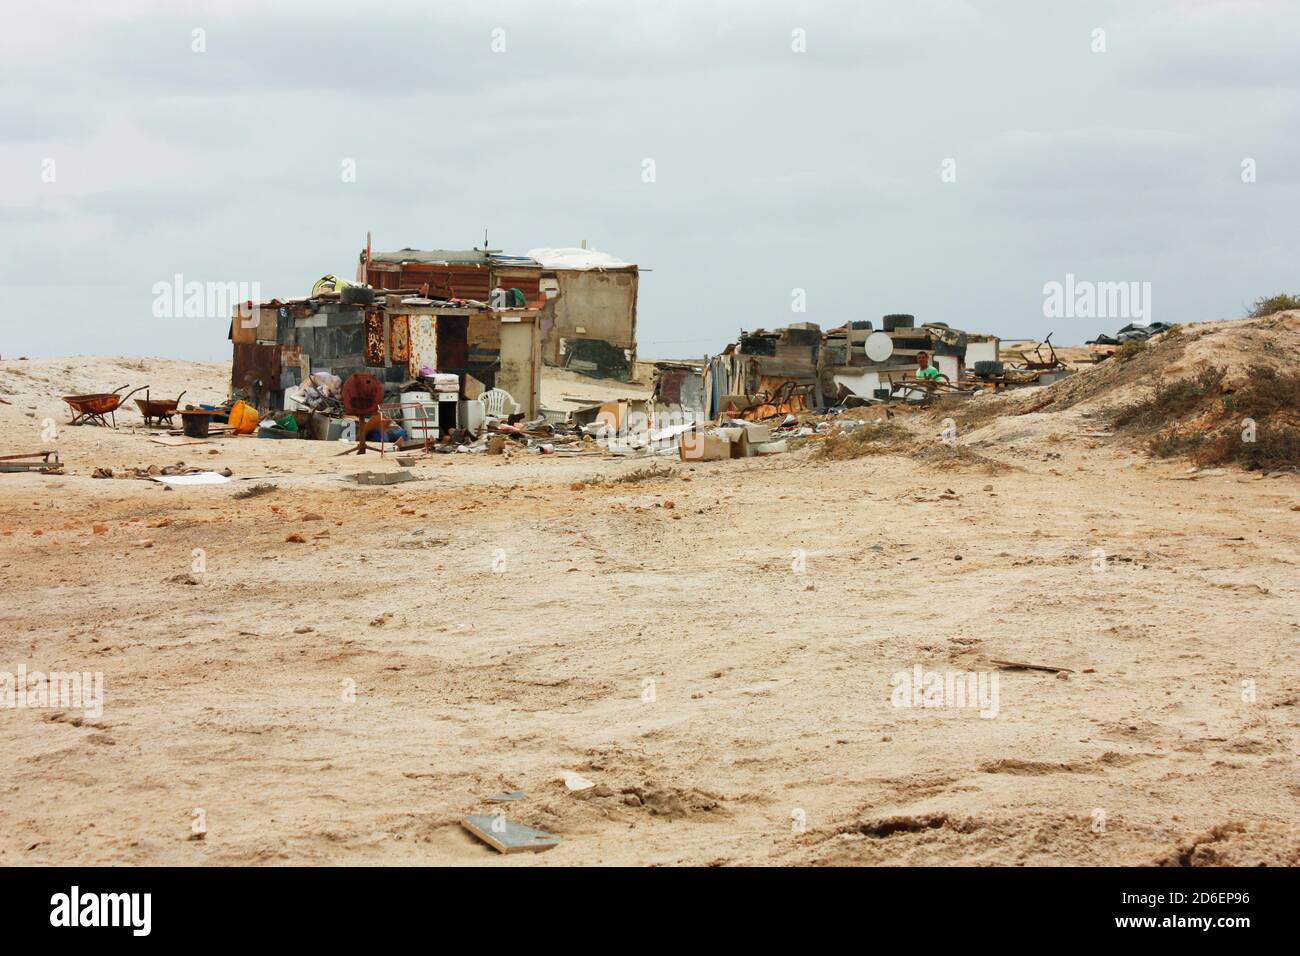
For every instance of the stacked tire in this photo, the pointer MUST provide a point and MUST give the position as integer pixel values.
(358, 295)
(898, 321)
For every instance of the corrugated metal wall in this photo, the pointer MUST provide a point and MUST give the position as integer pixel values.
(454, 282)
(526, 281)
(445, 282)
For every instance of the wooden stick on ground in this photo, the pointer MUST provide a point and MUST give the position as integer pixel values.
(1021, 666)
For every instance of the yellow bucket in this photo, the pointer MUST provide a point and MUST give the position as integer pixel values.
(243, 419)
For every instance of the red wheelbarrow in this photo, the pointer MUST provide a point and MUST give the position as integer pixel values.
(92, 408)
(158, 410)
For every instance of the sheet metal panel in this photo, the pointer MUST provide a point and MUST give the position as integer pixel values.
(422, 342)
(253, 363)
(374, 350)
(444, 282)
(398, 339)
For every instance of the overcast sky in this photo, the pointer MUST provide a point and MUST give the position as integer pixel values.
(774, 169)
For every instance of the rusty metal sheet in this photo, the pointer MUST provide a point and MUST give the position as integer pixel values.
(454, 282)
(453, 344)
(374, 351)
(255, 363)
(384, 276)
(398, 339)
(526, 281)
(669, 384)
(451, 280)
(422, 341)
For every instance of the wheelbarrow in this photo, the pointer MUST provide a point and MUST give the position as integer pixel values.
(158, 410)
(92, 408)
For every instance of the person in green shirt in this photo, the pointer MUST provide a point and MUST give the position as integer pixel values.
(925, 371)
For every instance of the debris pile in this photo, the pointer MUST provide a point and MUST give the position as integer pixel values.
(801, 367)
(153, 472)
(1104, 346)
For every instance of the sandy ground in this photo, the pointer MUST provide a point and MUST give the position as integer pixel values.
(563, 390)
(720, 668)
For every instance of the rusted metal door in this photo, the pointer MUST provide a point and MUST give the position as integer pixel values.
(422, 341)
(399, 343)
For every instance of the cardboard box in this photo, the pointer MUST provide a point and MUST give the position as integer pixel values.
(699, 446)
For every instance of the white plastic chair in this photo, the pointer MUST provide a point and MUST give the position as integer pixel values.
(496, 401)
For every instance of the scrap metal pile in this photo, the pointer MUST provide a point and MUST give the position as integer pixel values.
(1104, 346)
(899, 361)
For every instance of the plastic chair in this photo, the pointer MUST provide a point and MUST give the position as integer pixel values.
(495, 402)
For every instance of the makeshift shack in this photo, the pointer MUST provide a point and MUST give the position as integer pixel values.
(759, 366)
(594, 331)
(587, 299)
(395, 338)
(801, 367)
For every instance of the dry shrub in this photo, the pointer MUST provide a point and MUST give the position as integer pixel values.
(1268, 304)
(1269, 398)
(1276, 448)
(255, 491)
(1170, 400)
(1266, 392)
(976, 413)
(648, 473)
(1131, 348)
(941, 457)
(874, 439)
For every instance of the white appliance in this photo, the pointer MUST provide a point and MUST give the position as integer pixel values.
(471, 415)
(426, 415)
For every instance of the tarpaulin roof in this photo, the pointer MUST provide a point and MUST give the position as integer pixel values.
(440, 257)
(573, 258)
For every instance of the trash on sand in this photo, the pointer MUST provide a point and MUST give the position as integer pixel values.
(508, 796)
(575, 781)
(253, 491)
(42, 462)
(177, 440)
(381, 477)
(1021, 666)
(201, 478)
(508, 837)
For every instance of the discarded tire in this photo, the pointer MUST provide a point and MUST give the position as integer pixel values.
(358, 295)
(987, 368)
(900, 321)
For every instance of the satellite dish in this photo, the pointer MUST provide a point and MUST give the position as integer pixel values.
(879, 346)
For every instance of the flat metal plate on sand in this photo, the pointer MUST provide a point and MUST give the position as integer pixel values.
(508, 837)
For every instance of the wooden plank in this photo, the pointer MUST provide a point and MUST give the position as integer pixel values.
(774, 366)
(1021, 666)
(177, 440)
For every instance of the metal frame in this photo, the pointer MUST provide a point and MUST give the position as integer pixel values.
(422, 418)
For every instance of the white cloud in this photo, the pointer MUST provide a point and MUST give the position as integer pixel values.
(775, 169)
